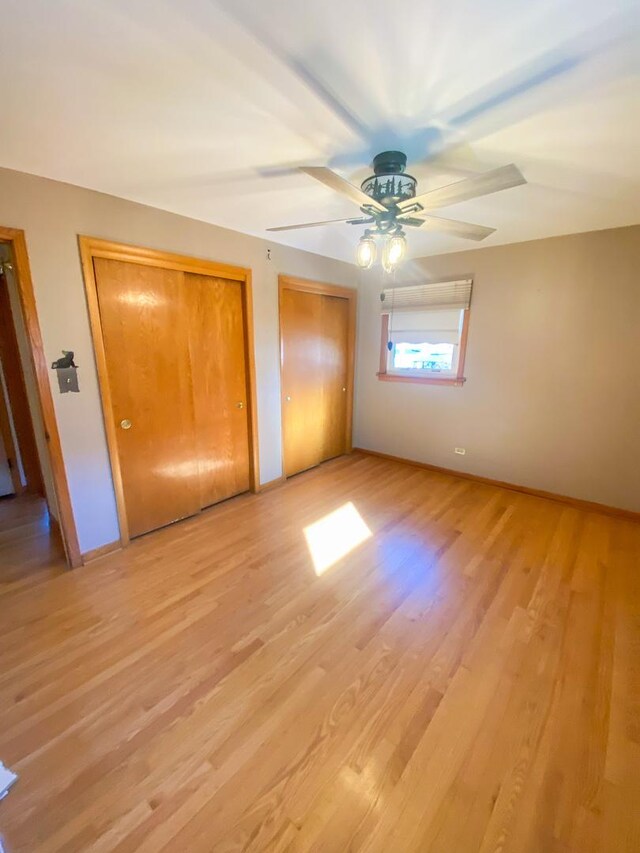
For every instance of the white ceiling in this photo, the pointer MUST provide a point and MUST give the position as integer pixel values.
(204, 107)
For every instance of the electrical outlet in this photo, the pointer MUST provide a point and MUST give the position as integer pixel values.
(459, 450)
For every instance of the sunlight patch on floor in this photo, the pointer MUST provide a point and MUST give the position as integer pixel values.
(334, 536)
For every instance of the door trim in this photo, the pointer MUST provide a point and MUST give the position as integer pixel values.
(92, 247)
(16, 238)
(18, 399)
(288, 282)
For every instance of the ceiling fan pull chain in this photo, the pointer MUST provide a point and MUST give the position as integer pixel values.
(393, 295)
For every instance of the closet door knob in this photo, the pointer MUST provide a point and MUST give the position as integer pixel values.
(239, 405)
(125, 423)
(344, 389)
(288, 398)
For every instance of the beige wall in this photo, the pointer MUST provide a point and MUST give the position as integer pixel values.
(552, 398)
(52, 214)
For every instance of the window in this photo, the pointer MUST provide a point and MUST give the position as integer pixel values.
(424, 332)
(425, 356)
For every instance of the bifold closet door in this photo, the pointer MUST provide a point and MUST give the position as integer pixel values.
(314, 339)
(175, 354)
(335, 336)
(218, 369)
(145, 314)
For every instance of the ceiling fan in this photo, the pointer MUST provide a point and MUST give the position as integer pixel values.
(388, 201)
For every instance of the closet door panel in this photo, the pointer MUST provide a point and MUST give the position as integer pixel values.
(302, 385)
(218, 368)
(334, 342)
(144, 317)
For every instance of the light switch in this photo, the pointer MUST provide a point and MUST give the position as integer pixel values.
(67, 379)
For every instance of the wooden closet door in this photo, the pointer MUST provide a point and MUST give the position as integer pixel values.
(218, 368)
(314, 333)
(301, 339)
(145, 329)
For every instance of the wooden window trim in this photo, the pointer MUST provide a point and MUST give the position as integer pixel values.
(457, 380)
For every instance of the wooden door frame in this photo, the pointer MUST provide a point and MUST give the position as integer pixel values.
(66, 522)
(93, 247)
(18, 399)
(289, 282)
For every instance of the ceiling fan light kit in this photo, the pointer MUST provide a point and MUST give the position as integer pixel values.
(394, 251)
(388, 201)
(366, 251)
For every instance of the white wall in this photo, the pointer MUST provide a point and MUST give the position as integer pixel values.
(52, 215)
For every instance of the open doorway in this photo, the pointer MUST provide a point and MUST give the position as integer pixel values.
(29, 537)
(33, 532)
(20, 465)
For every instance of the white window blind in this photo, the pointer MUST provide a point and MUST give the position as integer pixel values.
(445, 295)
(418, 327)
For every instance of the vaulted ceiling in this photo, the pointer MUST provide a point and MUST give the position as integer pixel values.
(206, 107)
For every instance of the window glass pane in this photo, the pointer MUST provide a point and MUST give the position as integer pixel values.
(423, 356)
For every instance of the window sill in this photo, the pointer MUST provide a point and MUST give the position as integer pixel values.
(422, 380)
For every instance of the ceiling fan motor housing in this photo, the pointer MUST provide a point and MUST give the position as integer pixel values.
(389, 184)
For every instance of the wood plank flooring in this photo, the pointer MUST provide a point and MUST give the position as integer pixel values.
(29, 551)
(466, 678)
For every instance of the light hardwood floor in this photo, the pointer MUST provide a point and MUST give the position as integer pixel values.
(29, 551)
(467, 678)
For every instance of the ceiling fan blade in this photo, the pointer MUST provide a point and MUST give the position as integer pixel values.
(489, 182)
(335, 182)
(312, 224)
(450, 226)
